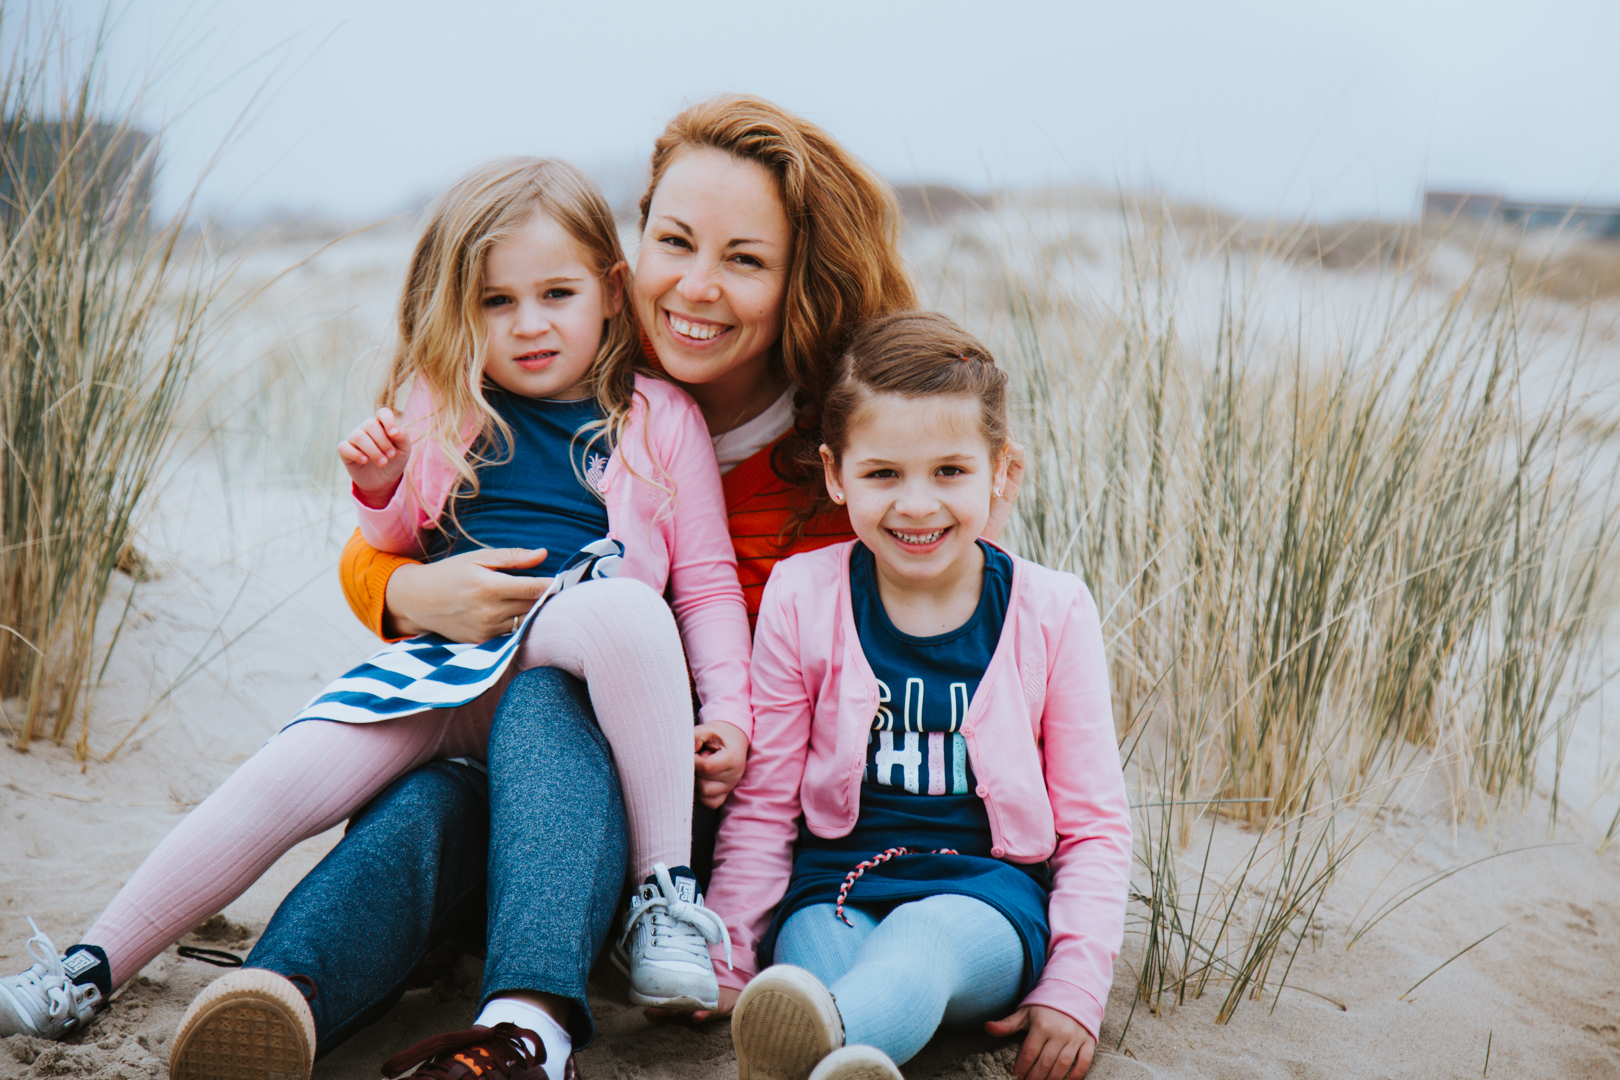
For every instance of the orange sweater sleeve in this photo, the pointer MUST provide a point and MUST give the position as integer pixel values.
(364, 572)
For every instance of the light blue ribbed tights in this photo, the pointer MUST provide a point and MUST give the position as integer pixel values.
(944, 959)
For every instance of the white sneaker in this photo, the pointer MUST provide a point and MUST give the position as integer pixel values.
(857, 1063)
(785, 1023)
(665, 944)
(44, 1001)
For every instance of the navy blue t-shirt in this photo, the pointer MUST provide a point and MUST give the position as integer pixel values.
(533, 496)
(925, 683)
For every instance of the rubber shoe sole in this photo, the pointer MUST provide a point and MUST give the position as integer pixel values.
(856, 1063)
(249, 1025)
(679, 1002)
(785, 1022)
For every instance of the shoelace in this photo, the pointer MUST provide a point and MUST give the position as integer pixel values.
(877, 860)
(667, 910)
(480, 1049)
(47, 974)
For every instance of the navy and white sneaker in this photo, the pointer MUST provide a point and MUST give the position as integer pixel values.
(57, 995)
(664, 948)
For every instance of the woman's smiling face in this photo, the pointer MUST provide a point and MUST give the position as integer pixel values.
(711, 276)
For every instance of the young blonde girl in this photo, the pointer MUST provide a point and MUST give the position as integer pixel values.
(532, 422)
(932, 827)
(526, 425)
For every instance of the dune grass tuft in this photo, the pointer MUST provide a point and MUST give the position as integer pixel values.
(101, 316)
(1330, 548)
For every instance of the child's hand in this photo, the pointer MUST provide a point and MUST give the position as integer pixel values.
(375, 455)
(721, 751)
(1001, 506)
(1056, 1046)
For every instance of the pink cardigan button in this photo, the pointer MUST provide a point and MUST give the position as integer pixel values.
(998, 851)
(982, 792)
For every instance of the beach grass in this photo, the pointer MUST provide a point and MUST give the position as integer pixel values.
(1329, 551)
(102, 315)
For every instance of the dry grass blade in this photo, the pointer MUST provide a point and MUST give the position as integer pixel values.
(1453, 956)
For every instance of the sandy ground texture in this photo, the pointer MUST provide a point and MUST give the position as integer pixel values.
(244, 621)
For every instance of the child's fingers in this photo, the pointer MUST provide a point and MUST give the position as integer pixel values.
(351, 454)
(365, 439)
(1046, 1056)
(1039, 1051)
(394, 430)
(1082, 1060)
(1017, 460)
(380, 438)
(721, 763)
(712, 793)
(720, 736)
(1065, 1060)
(1009, 1025)
(1055, 1045)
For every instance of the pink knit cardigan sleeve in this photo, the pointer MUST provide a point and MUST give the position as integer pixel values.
(753, 857)
(1084, 784)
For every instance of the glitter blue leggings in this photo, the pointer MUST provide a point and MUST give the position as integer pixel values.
(944, 959)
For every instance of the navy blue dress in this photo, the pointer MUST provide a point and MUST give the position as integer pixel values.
(918, 790)
(533, 493)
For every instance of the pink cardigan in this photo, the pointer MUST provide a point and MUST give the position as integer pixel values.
(1040, 734)
(680, 540)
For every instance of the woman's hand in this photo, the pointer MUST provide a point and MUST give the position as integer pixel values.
(721, 751)
(375, 454)
(1056, 1046)
(465, 598)
(728, 1001)
(1001, 506)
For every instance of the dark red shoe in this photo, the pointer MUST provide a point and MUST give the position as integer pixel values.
(478, 1053)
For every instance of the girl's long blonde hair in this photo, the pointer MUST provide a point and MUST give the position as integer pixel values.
(441, 321)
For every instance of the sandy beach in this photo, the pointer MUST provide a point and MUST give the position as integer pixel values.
(1505, 968)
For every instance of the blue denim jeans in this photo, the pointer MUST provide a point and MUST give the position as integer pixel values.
(417, 866)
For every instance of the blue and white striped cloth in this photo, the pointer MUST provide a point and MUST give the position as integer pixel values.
(431, 672)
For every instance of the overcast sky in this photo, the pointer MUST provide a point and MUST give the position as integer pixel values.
(1261, 106)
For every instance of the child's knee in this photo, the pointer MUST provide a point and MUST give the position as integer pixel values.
(633, 598)
(940, 920)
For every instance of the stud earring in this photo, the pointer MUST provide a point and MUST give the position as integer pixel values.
(998, 493)
(837, 498)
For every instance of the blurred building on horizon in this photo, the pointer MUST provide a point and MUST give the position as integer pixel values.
(1600, 221)
(93, 170)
